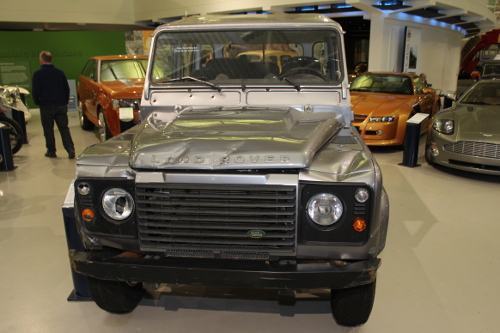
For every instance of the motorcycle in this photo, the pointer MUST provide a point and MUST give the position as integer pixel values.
(13, 98)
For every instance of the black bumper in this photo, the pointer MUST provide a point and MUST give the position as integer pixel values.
(243, 274)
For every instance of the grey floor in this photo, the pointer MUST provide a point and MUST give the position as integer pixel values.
(440, 270)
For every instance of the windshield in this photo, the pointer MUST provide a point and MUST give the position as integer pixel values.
(483, 93)
(112, 70)
(383, 83)
(267, 57)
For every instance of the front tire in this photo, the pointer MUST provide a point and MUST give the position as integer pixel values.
(15, 133)
(85, 123)
(115, 296)
(353, 306)
(104, 132)
(427, 157)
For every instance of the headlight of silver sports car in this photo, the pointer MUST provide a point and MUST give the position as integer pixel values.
(117, 204)
(325, 209)
(445, 126)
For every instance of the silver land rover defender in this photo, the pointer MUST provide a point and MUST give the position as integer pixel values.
(245, 170)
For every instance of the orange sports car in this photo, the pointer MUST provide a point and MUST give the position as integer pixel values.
(383, 101)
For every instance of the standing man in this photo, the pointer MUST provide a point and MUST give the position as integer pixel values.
(51, 93)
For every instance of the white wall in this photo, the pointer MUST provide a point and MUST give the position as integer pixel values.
(438, 53)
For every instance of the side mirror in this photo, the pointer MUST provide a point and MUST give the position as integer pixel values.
(451, 96)
(427, 90)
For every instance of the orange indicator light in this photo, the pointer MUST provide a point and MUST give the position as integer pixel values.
(88, 215)
(359, 224)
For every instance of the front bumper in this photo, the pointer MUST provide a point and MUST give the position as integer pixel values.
(466, 160)
(228, 273)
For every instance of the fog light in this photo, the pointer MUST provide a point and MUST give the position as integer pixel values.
(380, 132)
(359, 224)
(433, 149)
(83, 188)
(362, 195)
(88, 215)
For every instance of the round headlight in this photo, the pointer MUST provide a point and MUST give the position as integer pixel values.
(117, 203)
(325, 209)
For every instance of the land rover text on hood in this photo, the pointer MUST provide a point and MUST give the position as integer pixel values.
(244, 171)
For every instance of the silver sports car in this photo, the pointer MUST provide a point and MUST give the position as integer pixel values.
(467, 136)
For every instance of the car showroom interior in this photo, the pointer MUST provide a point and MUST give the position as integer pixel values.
(250, 166)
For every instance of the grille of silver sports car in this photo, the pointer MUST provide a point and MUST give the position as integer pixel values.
(224, 221)
(473, 148)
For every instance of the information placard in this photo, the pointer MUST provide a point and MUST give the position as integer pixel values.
(16, 74)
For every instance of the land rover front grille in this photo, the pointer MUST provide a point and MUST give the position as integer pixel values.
(473, 148)
(224, 221)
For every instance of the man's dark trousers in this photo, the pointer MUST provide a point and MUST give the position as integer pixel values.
(59, 115)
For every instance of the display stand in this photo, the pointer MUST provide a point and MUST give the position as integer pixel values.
(412, 140)
(6, 158)
(81, 291)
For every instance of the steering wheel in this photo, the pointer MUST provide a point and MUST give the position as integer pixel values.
(303, 70)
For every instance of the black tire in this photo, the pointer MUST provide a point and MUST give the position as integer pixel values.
(115, 296)
(15, 133)
(353, 306)
(104, 132)
(426, 155)
(85, 123)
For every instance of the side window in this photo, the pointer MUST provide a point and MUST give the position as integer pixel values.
(89, 70)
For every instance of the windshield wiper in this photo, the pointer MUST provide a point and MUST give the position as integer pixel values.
(296, 85)
(190, 78)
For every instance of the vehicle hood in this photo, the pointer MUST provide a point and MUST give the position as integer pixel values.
(379, 104)
(132, 88)
(240, 138)
(477, 122)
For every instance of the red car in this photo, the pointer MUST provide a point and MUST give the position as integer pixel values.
(109, 93)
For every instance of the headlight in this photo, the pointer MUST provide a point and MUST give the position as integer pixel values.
(384, 119)
(445, 126)
(117, 204)
(126, 103)
(325, 209)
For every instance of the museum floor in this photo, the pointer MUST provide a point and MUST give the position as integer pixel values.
(440, 269)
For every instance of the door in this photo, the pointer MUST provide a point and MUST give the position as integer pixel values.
(89, 86)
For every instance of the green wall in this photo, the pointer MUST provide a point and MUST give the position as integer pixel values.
(70, 49)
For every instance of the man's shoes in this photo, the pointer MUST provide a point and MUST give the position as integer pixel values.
(51, 154)
(71, 155)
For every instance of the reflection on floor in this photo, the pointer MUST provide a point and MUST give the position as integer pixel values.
(439, 273)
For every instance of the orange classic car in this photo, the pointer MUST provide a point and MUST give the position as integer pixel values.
(109, 93)
(383, 101)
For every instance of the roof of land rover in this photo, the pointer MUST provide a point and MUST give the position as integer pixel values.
(288, 20)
